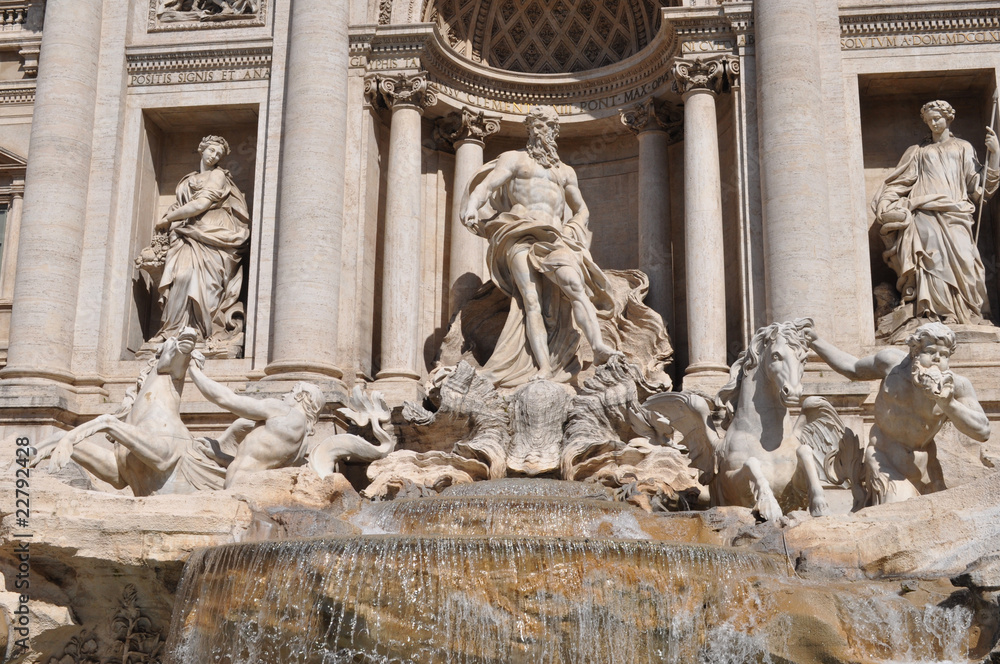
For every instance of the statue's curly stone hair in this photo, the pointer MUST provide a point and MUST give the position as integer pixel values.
(939, 105)
(935, 332)
(216, 140)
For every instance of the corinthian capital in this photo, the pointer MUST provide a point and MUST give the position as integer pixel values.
(650, 114)
(390, 90)
(715, 74)
(467, 124)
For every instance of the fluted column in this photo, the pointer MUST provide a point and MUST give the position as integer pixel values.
(55, 197)
(793, 172)
(655, 133)
(699, 81)
(406, 95)
(467, 252)
(311, 209)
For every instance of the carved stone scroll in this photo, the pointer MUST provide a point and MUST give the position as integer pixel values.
(387, 91)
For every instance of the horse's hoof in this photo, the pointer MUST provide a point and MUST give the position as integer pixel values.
(767, 510)
(819, 507)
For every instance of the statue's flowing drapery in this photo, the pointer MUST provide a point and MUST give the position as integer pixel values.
(625, 321)
(933, 251)
(203, 273)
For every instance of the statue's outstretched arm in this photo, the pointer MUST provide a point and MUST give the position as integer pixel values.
(223, 397)
(872, 367)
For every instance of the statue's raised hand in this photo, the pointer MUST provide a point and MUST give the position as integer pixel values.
(470, 219)
(992, 144)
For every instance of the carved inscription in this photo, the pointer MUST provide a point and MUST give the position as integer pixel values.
(906, 41)
(209, 76)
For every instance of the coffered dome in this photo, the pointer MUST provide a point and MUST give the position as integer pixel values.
(546, 36)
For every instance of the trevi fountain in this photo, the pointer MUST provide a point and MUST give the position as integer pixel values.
(499, 332)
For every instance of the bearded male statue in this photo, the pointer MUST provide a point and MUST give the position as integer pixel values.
(918, 394)
(539, 258)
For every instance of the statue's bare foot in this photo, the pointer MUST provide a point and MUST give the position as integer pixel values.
(603, 353)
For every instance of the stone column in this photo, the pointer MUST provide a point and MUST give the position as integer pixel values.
(467, 252)
(8, 270)
(406, 95)
(55, 196)
(655, 133)
(311, 209)
(699, 81)
(793, 169)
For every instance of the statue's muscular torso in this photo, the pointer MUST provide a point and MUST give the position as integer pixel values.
(536, 188)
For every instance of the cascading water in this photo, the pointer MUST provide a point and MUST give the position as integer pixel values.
(507, 578)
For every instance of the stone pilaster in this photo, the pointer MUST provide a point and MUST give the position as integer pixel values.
(406, 95)
(655, 130)
(310, 216)
(793, 171)
(699, 82)
(467, 253)
(55, 197)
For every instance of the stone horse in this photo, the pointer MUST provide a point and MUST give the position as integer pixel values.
(748, 448)
(153, 452)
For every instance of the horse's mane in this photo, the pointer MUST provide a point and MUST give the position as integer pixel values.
(133, 392)
(729, 396)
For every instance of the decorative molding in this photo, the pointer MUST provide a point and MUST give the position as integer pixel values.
(202, 19)
(714, 74)
(460, 81)
(652, 115)
(391, 90)
(467, 124)
(17, 92)
(905, 27)
(133, 639)
(159, 67)
(384, 12)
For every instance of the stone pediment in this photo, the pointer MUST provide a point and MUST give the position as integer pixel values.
(11, 163)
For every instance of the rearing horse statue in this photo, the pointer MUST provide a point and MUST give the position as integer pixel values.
(748, 448)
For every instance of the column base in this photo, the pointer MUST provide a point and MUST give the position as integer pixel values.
(397, 388)
(302, 370)
(706, 378)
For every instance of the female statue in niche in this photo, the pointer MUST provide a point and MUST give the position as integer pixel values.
(206, 233)
(927, 209)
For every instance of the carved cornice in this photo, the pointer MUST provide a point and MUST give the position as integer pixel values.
(714, 74)
(467, 124)
(904, 26)
(159, 67)
(651, 115)
(460, 81)
(16, 92)
(393, 90)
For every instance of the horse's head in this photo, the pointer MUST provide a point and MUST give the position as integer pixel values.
(175, 353)
(778, 352)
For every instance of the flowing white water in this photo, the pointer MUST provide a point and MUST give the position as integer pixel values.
(498, 576)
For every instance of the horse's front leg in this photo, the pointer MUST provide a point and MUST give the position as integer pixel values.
(807, 465)
(59, 446)
(765, 504)
(157, 452)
